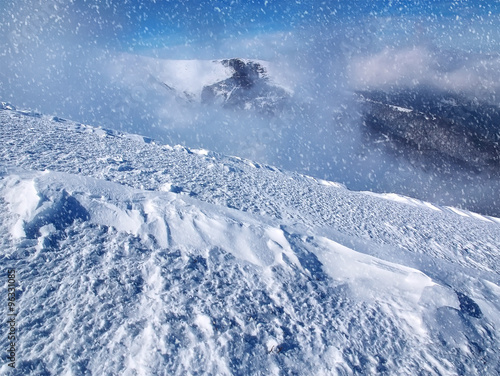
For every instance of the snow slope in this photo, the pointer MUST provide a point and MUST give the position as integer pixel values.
(135, 258)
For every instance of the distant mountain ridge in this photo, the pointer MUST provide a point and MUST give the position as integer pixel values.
(234, 83)
(431, 119)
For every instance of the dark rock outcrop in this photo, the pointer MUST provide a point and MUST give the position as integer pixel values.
(248, 88)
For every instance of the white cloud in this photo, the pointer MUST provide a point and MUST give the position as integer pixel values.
(474, 74)
(391, 66)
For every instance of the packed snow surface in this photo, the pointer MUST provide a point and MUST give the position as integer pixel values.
(134, 258)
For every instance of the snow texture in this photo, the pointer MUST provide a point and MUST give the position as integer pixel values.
(137, 258)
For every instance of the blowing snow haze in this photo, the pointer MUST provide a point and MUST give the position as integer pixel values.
(172, 70)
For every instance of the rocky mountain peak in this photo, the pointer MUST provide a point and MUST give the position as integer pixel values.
(248, 88)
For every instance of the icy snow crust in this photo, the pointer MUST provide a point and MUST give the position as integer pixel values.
(135, 258)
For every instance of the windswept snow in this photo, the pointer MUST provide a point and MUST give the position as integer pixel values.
(135, 258)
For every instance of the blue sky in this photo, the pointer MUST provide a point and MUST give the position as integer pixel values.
(151, 24)
(156, 23)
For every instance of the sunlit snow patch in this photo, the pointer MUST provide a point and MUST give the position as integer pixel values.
(23, 199)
